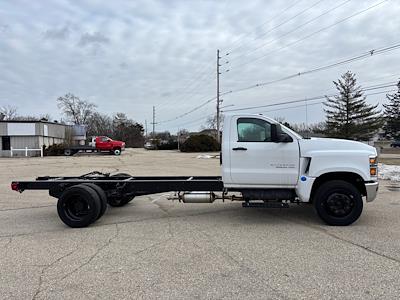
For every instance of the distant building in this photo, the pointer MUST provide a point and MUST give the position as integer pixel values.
(35, 135)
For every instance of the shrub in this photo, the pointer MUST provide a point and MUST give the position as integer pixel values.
(200, 143)
(54, 150)
(171, 145)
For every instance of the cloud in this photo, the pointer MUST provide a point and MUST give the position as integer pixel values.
(96, 38)
(57, 33)
(4, 28)
(130, 55)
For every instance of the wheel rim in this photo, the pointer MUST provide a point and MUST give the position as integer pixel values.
(117, 152)
(76, 207)
(339, 205)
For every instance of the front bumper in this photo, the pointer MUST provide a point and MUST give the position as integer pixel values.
(372, 190)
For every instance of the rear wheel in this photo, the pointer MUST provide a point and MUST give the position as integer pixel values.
(102, 195)
(123, 200)
(79, 206)
(68, 152)
(338, 203)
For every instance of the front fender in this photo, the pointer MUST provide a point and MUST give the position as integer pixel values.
(352, 162)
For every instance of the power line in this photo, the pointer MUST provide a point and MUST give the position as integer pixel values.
(194, 109)
(368, 88)
(359, 57)
(320, 102)
(261, 25)
(190, 111)
(289, 32)
(370, 53)
(191, 87)
(367, 54)
(314, 33)
(195, 121)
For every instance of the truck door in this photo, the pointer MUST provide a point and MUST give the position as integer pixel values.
(256, 160)
(103, 143)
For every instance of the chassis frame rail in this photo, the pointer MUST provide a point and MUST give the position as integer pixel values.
(139, 185)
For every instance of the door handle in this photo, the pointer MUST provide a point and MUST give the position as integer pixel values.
(239, 148)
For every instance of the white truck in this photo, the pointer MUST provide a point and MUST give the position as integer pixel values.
(264, 164)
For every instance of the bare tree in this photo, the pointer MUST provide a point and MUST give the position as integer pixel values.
(45, 117)
(211, 122)
(99, 124)
(8, 112)
(76, 110)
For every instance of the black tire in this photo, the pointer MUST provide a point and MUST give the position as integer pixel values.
(79, 206)
(102, 195)
(118, 202)
(338, 203)
(117, 151)
(68, 152)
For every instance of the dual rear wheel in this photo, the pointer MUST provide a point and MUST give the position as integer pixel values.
(81, 205)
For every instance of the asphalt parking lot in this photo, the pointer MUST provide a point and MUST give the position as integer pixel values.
(155, 248)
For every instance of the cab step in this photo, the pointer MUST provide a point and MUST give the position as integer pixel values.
(265, 204)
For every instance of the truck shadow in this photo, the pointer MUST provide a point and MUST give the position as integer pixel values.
(233, 214)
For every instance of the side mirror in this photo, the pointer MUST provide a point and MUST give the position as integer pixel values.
(285, 138)
(278, 136)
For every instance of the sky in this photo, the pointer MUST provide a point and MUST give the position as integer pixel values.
(128, 56)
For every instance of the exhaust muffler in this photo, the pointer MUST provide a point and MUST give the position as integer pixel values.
(197, 197)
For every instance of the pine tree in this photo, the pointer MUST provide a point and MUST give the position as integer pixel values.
(348, 115)
(392, 115)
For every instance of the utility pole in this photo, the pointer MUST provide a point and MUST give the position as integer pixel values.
(145, 121)
(218, 100)
(154, 121)
(178, 135)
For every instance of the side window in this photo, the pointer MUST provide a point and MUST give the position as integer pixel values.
(104, 139)
(253, 130)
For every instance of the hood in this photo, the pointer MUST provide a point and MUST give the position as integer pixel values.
(313, 145)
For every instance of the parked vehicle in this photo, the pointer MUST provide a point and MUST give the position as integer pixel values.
(264, 165)
(98, 144)
(150, 144)
(395, 144)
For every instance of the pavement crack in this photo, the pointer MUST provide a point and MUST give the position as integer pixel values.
(23, 208)
(122, 222)
(370, 250)
(8, 243)
(240, 264)
(326, 232)
(98, 251)
(44, 269)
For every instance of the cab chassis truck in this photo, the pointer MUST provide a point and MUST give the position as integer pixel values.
(264, 164)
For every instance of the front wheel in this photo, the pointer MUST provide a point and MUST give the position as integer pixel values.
(338, 203)
(117, 151)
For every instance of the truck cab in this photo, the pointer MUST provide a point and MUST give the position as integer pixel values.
(265, 160)
(104, 143)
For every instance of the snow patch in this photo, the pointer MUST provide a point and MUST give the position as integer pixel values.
(207, 156)
(389, 172)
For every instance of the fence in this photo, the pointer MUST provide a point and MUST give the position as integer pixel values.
(26, 151)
